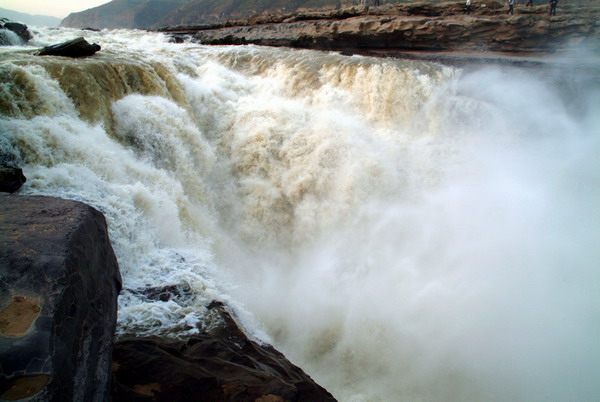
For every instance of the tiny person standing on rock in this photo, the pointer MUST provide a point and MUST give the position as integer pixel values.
(553, 7)
(529, 3)
(468, 7)
(511, 5)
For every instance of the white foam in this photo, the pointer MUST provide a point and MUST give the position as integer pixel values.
(402, 230)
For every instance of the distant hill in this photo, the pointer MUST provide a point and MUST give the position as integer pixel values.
(209, 11)
(28, 19)
(146, 14)
(141, 14)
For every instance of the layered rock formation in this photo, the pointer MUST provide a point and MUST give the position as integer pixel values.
(211, 11)
(415, 26)
(58, 300)
(156, 13)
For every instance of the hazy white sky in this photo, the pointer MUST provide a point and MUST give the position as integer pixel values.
(55, 8)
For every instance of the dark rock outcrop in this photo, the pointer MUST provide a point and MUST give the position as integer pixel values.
(20, 30)
(414, 26)
(59, 281)
(11, 178)
(221, 364)
(77, 47)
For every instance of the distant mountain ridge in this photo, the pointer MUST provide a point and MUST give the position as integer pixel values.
(210, 11)
(146, 14)
(152, 14)
(142, 14)
(29, 19)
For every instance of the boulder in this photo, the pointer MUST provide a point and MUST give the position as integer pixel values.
(58, 300)
(20, 30)
(220, 364)
(77, 47)
(11, 178)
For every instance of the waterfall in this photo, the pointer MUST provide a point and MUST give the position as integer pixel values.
(402, 230)
(8, 38)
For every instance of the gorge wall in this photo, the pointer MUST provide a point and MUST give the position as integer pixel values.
(154, 13)
(414, 26)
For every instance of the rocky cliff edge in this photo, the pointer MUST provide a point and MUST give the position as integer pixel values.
(414, 26)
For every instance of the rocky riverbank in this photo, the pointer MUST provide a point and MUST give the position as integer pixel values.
(59, 282)
(413, 26)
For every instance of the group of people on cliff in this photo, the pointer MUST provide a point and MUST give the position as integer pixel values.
(511, 6)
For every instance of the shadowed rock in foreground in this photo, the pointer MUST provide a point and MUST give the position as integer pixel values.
(59, 281)
(415, 26)
(221, 364)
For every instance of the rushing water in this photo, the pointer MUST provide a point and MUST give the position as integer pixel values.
(399, 229)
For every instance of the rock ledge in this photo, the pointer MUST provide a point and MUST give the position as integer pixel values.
(413, 26)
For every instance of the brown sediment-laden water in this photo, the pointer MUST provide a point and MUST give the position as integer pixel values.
(401, 229)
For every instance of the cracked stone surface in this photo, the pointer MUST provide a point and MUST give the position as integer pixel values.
(59, 281)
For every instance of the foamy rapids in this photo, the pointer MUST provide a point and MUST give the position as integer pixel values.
(401, 230)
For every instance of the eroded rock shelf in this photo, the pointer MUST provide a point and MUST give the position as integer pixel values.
(414, 26)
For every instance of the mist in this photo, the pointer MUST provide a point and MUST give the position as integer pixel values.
(401, 230)
(465, 268)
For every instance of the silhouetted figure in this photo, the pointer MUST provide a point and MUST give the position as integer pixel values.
(468, 7)
(529, 3)
(553, 4)
(511, 5)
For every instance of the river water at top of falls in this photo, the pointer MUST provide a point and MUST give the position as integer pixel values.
(401, 230)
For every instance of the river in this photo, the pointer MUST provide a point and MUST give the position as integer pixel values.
(400, 229)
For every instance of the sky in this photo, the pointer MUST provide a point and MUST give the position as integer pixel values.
(56, 8)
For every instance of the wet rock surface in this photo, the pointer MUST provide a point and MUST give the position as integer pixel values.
(415, 26)
(77, 47)
(220, 364)
(11, 178)
(59, 281)
(19, 29)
